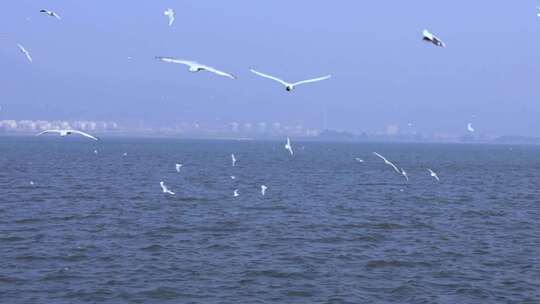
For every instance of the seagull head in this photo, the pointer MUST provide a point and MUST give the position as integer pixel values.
(289, 88)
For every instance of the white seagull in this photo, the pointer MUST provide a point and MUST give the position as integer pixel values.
(169, 13)
(404, 174)
(263, 189)
(469, 127)
(288, 146)
(429, 37)
(290, 86)
(388, 162)
(538, 13)
(67, 132)
(235, 193)
(233, 177)
(433, 174)
(233, 160)
(195, 66)
(25, 52)
(50, 13)
(177, 167)
(359, 159)
(165, 189)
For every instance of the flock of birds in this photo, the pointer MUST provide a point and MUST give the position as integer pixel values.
(194, 67)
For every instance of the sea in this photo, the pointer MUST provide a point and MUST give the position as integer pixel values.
(87, 222)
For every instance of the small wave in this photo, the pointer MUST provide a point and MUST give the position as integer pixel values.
(394, 263)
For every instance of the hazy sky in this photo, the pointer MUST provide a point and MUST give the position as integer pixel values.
(383, 72)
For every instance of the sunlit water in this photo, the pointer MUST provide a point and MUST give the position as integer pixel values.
(96, 228)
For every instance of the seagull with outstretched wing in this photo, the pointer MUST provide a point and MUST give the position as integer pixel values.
(25, 52)
(50, 13)
(68, 132)
(288, 146)
(433, 174)
(429, 37)
(289, 86)
(170, 14)
(387, 162)
(165, 189)
(195, 66)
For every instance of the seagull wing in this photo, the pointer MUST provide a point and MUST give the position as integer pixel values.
(218, 72)
(393, 166)
(174, 60)
(312, 80)
(83, 134)
(380, 156)
(270, 77)
(48, 131)
(25, 52)
(55, 15)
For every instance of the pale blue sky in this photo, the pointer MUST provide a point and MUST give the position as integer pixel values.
(383, 72)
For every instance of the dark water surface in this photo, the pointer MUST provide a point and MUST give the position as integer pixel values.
(96, 228)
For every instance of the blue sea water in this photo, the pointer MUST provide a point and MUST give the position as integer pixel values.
(96, 228)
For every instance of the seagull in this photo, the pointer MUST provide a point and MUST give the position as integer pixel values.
(429, 37)
(538, 14)
(290, 86)
(169, 13)
(404, 174)
(68, 132)
(263, 189)
(433, 174)
(359, 159)
(50, 13)
(235, 193)
(25, 52)
(288, 146)
(387, 162)
(165, 189)
(125, 154)
(469, 127)
(233, 159)
(95, 152)
(195, 66)
(233, 177)
(31, 183)
(177, 167)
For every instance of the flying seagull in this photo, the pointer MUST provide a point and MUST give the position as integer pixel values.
(404, 174)
(25, 52)
(50, 13)
(288, 146)
(235, 193)
(233, 177)
(165, 189)
(433, 174)
(289, 86)
(469, 127)
(67, 132)
(263, 189)
(359, 159)
(233, 160)
(387, 162)
(177, 167)
(538, 14)
(195, 66)
(429, 37)
(169, 13)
